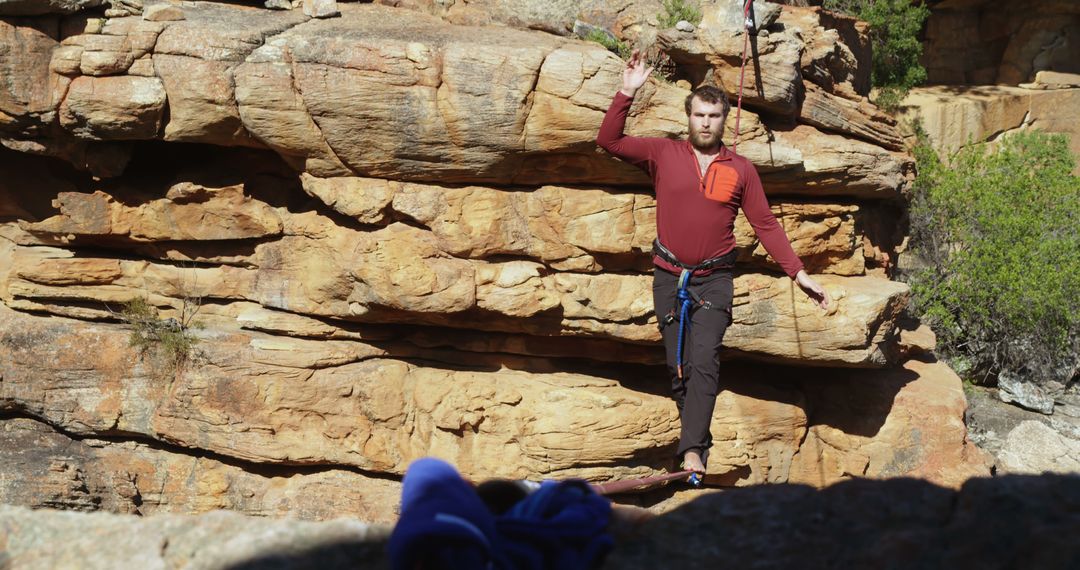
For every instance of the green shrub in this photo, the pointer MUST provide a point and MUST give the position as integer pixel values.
(996, 232)
(169, 341)
(613, 44)
(894, 38)
(678, 10)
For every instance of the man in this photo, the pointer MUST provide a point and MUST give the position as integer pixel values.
(700, 185)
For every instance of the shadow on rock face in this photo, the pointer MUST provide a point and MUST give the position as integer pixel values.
(1014, 521)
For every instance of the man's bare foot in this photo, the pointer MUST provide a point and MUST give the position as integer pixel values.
(692, 462)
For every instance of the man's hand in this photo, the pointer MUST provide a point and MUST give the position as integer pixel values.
(816, 292)
(635, 74)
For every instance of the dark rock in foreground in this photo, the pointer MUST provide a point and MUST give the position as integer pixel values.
(1005, 522)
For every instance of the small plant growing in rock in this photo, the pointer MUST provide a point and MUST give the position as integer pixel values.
(609, 41)
(170, 341)
(676, 11)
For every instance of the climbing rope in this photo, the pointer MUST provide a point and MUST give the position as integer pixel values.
(748, 25)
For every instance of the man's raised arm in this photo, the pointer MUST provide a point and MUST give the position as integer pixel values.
(611, 138)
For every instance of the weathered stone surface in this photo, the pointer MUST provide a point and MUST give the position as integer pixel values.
(188, 212)
(397, 274)
(213, 540)
(28, 97)
(772, 72)
(288, 401)
(320, 8)
(574, 228)
(124, 8)
(118, 108)
(196, 58)
(837, 53)
(860, 119)
(163, 12)
(377, 414)
(634, 20)
(1024, 392)
(42, 468)
(954, 117)
(533, 124)
(834, 165)
(112, 51)
(905, 421)
(1034, 448)
(1053, 80)
(41, 7)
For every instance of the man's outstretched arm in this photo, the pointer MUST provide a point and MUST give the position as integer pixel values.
(634, 150)
(772, 236)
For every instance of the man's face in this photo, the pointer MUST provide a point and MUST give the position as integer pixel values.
(706, 123)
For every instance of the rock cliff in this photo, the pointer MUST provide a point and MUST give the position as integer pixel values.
(402, 241)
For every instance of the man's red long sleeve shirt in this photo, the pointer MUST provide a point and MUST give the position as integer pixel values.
(695, 214)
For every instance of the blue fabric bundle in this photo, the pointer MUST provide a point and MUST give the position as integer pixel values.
(445, 525)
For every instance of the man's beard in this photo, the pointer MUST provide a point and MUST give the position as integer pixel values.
(702, 143)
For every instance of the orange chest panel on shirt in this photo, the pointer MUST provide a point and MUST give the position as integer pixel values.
(720, 182)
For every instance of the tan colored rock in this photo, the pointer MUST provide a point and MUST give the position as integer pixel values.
(320, 8)
(772, 76)
(119, 108)
(164, 12)
(201, 104)
(365, 199)
(572, 229)
(118, 44)
(398, 275)
(835, 165)
(375, 414)
(195, 59)
(906, 420)
(1054, 80)
(537, 127)
(502, 106)
(860, 119)
(825, 237)
(187, 213)
(836, 56)
(105, 55)
(953, 117)
(27, 99)
(42, 468)
(275, 114)
(66, 60)
(273, 399)
(1035, 448)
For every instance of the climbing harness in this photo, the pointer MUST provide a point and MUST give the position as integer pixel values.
(748, 24)
(685, 299)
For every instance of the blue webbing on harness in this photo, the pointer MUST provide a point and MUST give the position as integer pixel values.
(684, 300)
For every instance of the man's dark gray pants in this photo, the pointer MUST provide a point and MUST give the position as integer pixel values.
(695, 393)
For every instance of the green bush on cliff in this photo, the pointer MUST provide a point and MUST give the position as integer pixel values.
(678, 10)
(613, 44)
(894, 38)
(996, 232)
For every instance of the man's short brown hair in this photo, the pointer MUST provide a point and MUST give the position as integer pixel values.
(710, 94)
